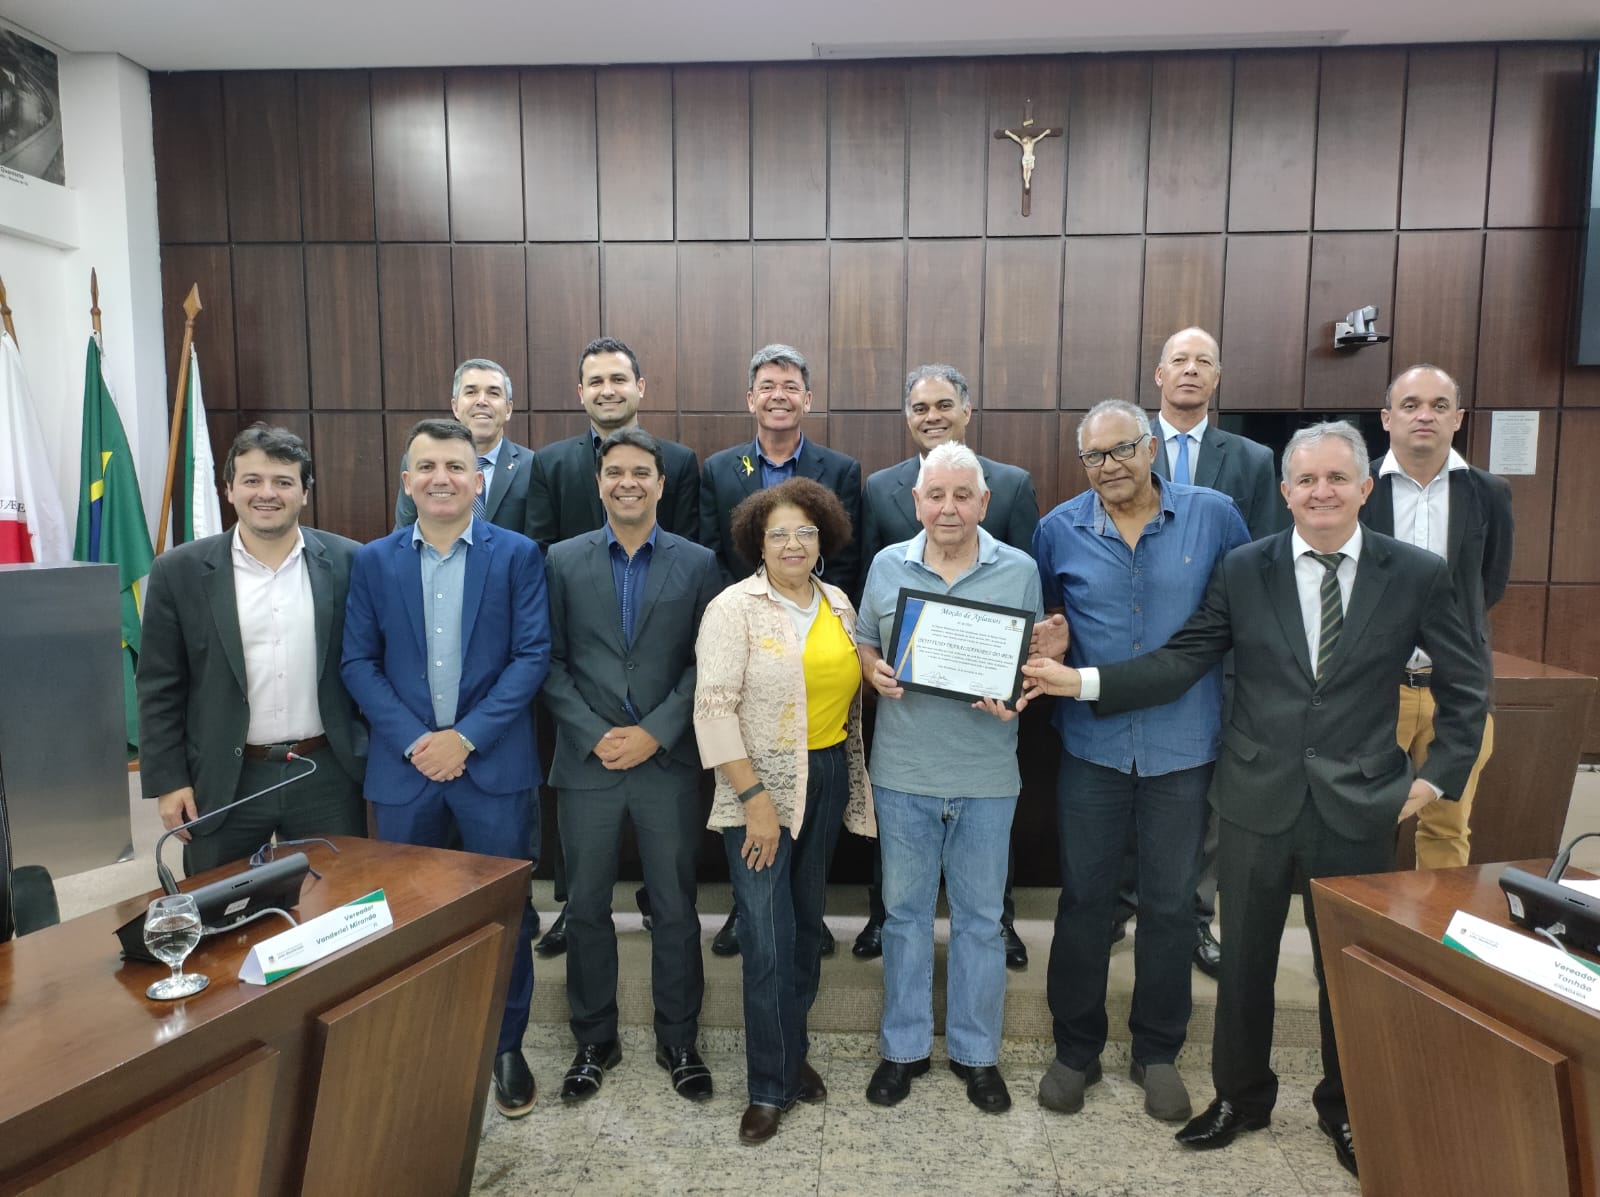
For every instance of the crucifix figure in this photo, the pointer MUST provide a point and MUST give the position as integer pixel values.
(1025, 137)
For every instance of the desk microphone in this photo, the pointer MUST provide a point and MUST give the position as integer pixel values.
(275, 753)
(1559, 868)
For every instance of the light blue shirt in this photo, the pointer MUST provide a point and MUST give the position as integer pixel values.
(443, 582)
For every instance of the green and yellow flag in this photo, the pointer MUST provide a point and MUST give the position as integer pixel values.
(111, 523)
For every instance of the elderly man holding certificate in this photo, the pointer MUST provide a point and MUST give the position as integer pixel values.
(953, 607)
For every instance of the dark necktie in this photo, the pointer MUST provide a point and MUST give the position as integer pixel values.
(1332, 608)
(479, 506)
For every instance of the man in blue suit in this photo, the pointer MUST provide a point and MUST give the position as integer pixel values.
(447, 639)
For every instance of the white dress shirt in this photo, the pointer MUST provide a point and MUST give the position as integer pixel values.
(1422, 515)
(1169, 440)
(278, 627)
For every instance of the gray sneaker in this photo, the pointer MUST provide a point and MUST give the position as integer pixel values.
(1061, 1088)
(1165, 1097)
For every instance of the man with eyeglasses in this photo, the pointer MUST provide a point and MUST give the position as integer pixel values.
(1127, 563)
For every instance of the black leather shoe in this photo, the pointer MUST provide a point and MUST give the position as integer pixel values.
(812, 1090)
(759, 1124)
(589, 1068)
(690, 1076)
(891, 1082)
(986, 1088)
(829, 947)
(514, 1092)
(642, 897)
(869, 944)
(1016, 950)
(1208, 952)
(1344, 1143)
(554, 942)
(726, 943)
(1219, 1125)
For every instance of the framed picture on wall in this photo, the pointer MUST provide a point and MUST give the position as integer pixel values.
(30, 109)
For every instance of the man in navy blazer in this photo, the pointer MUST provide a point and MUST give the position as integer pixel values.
(779, 398)
(447, 640)
(480, 397)
(625, 606)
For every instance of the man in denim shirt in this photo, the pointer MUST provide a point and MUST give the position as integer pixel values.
(1128, 562)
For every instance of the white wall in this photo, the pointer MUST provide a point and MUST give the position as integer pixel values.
(106, 215)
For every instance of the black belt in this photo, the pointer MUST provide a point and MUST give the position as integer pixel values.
(263, 752)
(1417, 679)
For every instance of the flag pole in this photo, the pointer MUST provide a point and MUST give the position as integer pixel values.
(191, 308)
(5, 314)
(94, 302)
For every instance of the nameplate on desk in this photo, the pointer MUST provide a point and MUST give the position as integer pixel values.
(1519, 954)
(274, 958)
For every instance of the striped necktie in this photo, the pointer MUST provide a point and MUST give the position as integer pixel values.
(479, 508)
(1332, 608)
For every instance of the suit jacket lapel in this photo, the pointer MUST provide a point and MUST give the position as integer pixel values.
(583, 465)
(407, 564)
(605, 598)
(1460, 497)
(1213, 449)
(747, 471)
(1284, 598)
(321, 575)
(664, 559)
(478, 557)
(508, 464)
(1380, 506)
(809, 464)
(224, 603)
(905, 481)
(1372, 580)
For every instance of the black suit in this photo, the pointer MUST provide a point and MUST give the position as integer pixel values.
(564, 497)
(1241, 469)
(1309, 781)
(734, 474)
(194, 710)
(889, 509)
(506, 504)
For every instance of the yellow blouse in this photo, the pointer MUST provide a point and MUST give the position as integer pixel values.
(833, 676)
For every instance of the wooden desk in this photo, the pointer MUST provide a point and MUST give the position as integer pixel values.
(1461, 1079)
(365, 1072)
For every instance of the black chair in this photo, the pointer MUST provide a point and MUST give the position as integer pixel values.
(27, 895)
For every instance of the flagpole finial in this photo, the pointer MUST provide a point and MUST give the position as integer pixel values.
(94, 300)
(5, 314)
(191, 302)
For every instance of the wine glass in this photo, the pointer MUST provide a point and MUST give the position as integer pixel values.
(171, 931)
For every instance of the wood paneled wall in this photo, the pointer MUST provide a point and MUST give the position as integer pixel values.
(355, 233)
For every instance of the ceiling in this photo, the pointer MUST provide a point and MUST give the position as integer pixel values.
(239, 34)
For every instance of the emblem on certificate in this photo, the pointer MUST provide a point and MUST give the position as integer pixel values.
(958, 648)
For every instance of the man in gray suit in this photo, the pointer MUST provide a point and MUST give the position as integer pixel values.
(1310, 782)
(242, 638)
(480, 397)
(625, 606)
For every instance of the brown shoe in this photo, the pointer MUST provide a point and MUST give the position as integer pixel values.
(812, 1090)
(759, 1124)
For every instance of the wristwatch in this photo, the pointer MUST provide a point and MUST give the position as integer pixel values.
(466, 743)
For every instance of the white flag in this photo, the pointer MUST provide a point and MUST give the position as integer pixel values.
(202, 512)
(33, 523)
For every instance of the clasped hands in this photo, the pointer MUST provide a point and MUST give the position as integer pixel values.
(440, 755)
(625, 747)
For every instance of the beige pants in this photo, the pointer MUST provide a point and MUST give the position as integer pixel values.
(1443, 837)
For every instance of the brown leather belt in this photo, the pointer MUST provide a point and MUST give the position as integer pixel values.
(262, 752)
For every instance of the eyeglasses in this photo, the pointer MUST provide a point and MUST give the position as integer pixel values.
(778, 536)
(1095, 458)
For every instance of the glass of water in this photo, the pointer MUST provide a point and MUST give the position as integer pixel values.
(171, 931)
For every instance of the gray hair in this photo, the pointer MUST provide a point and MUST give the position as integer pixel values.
(945, 373)
(1118, 407)
(1339, 429)
(953, 456)
(479, 363)
(1216, 345)
(779, 355)
(1388, 395)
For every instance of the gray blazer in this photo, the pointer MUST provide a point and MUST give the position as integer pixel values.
(1241, 469)
(592, 671)
(194, 709)
(505, 506)
(889, 510)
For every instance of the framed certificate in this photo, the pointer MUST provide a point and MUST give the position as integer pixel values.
(958, 648)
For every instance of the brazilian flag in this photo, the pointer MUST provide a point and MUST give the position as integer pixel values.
(111, 524)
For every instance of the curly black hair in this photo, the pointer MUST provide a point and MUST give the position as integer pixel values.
(821, 505)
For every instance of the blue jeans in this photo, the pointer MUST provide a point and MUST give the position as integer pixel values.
(1095, 807)
(780, 932)
(967, 839)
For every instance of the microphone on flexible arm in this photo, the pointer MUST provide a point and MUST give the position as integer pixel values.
(277, 753)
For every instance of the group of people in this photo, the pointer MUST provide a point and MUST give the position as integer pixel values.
(1255, 707)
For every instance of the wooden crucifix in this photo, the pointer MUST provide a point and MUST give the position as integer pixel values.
(1025, 137)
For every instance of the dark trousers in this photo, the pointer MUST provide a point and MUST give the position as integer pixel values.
(491, 824)
(1260, 873)
(1097, 808)
(327, 802)
(664, 806)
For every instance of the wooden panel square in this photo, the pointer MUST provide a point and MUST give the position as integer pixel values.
(711, 157)
(1108, 146)
(191, 171)
(416, 325)
(559, 167)
(1438, 277)
(1580, 387)
(1572, 641)
(866, 151)
(1532, 497)
(877, 439)
(1445, 167)
(269, 297)
(1012, 83)
(1022, 323)
(715, 314)
(867, 303)
(1360, 125)
(948, 153)
(1516, 622)
(489, 287)
(788, 151)
(342, 313)
(711, 432)
(1101, 308)
(1026, 439)
(1348, 271)
(1182, 287)
(563, 317)
(944, 308)
(639, 305)
(1264, 321)
(1191, 115)
(354, 495)
(263, 179)
(1536, 154)
(1274, 141)
(209, 267)
(1575, 549)
(633, 109)
(1071, 479)
(791, 306)
(1527, 278)
(335, 155)
(483, 121)
(409, 154)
